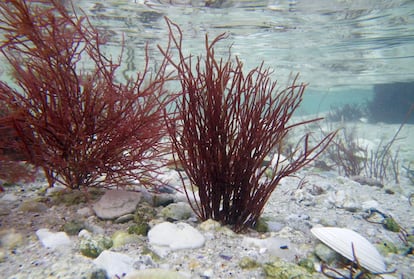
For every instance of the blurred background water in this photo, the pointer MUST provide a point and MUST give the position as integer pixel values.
(342, 48)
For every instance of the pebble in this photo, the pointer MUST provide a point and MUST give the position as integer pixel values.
(120, 238)
(116, 265)
(155, 273)
(53, 240)
(11, 239)
(93, 245)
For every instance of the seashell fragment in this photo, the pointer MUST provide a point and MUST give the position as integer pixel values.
(342, 239)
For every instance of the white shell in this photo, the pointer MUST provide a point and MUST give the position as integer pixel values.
(342, 239)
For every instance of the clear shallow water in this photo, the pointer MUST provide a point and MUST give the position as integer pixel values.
(340, 47)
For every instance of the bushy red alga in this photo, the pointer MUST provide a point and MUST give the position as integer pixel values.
(77, 123)
(225, 124)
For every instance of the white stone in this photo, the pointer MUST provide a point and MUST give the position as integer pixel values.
(115, 203)
(115, 264)
(167, 236)
(53, 240)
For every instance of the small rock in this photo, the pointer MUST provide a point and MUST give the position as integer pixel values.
(161, 199)
(120, 238)
(4, 210)
(284, 270)
(208, 273)
(73, 227)
(177, 211)
(99, 274)
(84, 212)
(308, 264)
(167, 236)
(326, 254)
(248, 263)
(209, 225)
(386, 247)
(11, 239)
(139, 229)
(367, 181)
(3, 255)
(53, 240)
(155, 273)
(390, 224)
(9, 197)
(124, 219)
(116, 203)
(67, 196)
(33, 206)
(261, 225)
(345, 200)
(93, 245)
(115, 264)
(274, 226)
(302, 196)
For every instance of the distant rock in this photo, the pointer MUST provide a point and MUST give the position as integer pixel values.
(166, 237)
(116, 203)
(53, 240)
(367, 181)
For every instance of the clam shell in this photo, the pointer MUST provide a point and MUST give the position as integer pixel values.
(342, 239)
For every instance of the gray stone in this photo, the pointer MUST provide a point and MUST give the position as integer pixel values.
(177, 211)
(116, 203)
